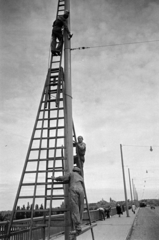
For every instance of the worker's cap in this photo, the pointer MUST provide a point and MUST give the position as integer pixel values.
(76, 169)
(66, 14)
(80, 137)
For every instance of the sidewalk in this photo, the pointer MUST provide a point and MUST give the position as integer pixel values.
(115, 228)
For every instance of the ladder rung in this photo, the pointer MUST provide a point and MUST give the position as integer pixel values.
(50, 128)
(43, 183)
(57, 168)
(54, 76)
(32, 184)
(51, 109)
(44, 171)
(31, 196)
(54, 70)
(55, 197)
(56, 62)
(47, 159)
(51, 148)
(54, 100)
(58, 188)
(44, 119)
(55, 91)
(44, 196)
(42, 138)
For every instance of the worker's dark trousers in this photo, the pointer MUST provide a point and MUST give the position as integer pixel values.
(77, 206)
(56, 35)
(80, 163)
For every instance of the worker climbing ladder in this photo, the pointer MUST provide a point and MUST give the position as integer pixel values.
(47, 157)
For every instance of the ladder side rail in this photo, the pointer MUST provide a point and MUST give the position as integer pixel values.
(60, 79)
(54, 162)
(48, 133)
(47, 84)
(90, 222)
(62, 154)
(57, 14)
(36, 177)
(58, 7)
(47, 164)
(25, 164)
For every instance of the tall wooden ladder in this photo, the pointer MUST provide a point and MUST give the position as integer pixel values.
(45, 158)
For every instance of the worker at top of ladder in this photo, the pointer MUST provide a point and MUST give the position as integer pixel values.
(58, 25)
(76, 191)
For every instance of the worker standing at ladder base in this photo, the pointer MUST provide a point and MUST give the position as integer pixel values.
(76, 191)
(58, 25)
(79, 159)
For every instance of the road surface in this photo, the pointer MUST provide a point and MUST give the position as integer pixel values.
(146, 226)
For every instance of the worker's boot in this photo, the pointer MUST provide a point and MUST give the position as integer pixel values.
(78, 230)
(58, 52)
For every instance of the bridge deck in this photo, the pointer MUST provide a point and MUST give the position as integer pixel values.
(112, 229)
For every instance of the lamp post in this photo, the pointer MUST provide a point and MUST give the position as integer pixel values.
(122, 163)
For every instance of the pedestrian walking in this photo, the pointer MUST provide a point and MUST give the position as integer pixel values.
(118, 209)
(108, 210)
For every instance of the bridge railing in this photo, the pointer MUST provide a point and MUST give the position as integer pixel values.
(20, 228)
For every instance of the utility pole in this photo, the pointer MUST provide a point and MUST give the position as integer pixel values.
(130, 187)
(133, 188)
(122, 163)
(68, 118)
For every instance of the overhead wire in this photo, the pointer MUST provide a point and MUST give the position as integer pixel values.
(115, 44)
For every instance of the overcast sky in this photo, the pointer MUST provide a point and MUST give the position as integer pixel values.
(115, 90)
